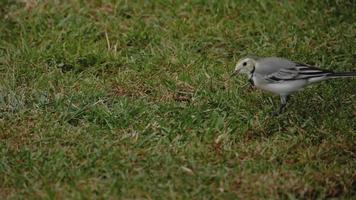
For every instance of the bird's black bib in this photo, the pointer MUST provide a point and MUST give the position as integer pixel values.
(251, 78)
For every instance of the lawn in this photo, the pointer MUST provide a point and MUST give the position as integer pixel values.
(125, 99)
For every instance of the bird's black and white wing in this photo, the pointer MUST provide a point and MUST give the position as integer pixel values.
(298, 72)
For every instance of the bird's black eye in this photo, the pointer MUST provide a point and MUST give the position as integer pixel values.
(244, 64)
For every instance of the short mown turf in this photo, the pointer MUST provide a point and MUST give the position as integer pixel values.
(134, 100)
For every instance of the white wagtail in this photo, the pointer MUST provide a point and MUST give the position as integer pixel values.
(282, 76)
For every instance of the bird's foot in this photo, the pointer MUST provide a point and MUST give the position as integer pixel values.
(276, 113)
(279, 111)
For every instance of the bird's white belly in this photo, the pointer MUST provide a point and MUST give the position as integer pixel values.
(284, 87)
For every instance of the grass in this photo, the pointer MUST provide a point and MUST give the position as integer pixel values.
(133, 100)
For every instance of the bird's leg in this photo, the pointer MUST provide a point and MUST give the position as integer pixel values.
(284, 100)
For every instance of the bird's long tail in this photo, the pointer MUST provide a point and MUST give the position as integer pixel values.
(341, 74)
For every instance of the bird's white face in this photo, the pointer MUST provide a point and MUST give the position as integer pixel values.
(245, 66)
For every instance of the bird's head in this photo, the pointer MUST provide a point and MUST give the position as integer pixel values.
(245, 66)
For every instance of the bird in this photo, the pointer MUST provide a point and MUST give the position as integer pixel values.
(282, 76)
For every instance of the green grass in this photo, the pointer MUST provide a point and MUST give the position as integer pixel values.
(134, 100)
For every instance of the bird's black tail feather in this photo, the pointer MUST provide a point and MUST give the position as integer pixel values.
(342, 74)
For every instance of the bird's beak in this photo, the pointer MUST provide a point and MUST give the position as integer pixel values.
(235, 73)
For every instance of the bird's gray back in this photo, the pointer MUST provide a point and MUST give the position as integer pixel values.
(271, 65)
